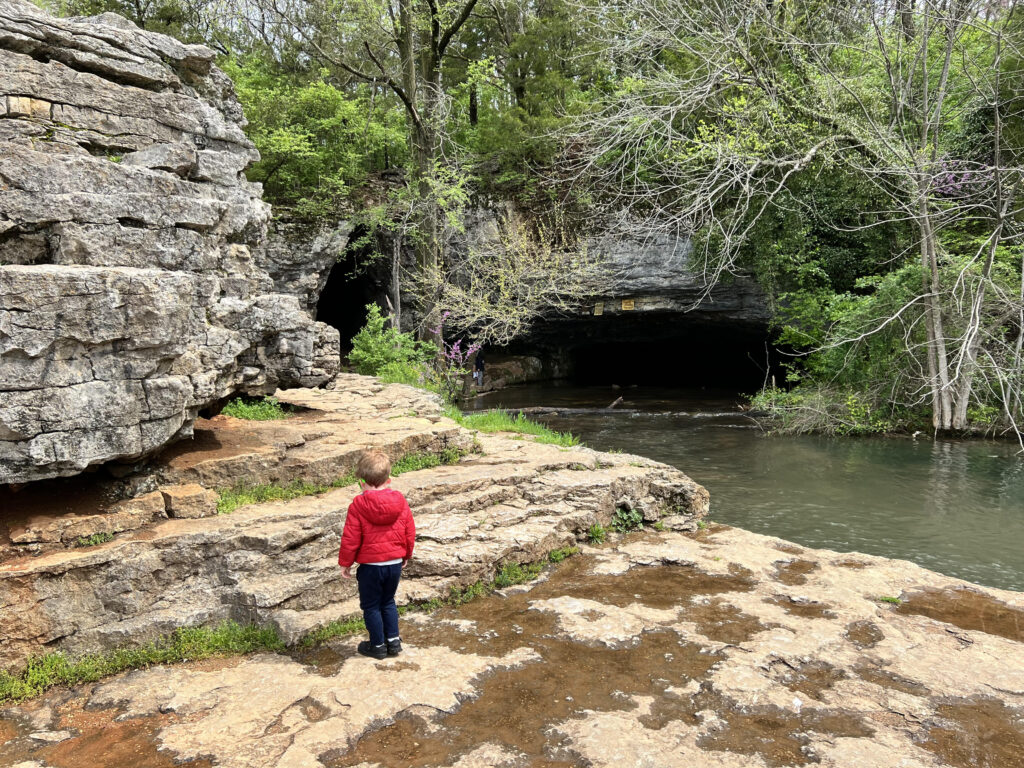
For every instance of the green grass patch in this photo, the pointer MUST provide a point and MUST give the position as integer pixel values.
(186, 644)
(241, 495)
(514, 573)
(558, 555)
(424, 460)
(890, 599)
(596, 534)
(338, 628)
(255, 409)
(92, 541)
(503, 421)
(658, 526)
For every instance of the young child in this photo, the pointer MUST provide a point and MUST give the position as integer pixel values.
(379, 535)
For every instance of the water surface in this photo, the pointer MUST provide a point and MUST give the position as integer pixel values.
(956, 507)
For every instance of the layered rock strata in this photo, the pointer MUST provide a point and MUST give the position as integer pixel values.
(131, 294)
(506, 501)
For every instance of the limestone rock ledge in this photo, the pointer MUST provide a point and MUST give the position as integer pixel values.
(130, 291)
(511, 501)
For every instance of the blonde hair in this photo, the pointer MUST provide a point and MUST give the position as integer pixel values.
(374, 467)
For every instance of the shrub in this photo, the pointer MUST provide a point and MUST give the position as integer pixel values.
(255, 409)
(378, 345)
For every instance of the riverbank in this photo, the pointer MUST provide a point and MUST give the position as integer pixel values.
(953, 506)
(657, 648)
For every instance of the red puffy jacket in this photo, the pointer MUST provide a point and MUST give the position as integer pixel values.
(378, 528)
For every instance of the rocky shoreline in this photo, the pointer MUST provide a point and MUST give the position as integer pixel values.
(684, 644)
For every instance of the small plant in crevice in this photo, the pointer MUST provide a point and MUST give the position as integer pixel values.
(626, 519)
(558, 555)
(92, 541)
(658, 526)
(890, 599)
(255, 409)
(596, 533)
(514, 573)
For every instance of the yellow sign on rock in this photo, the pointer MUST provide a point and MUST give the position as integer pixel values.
(599, 308)
(628, 304)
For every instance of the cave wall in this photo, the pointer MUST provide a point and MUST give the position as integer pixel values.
(135, 284)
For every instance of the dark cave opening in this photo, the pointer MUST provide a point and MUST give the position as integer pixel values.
(359, 277)
(671, 351)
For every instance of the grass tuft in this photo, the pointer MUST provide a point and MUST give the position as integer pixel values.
(91, 541)
(596, 534)
(255, 409)
(890, 599)
(503, 421)
(186, 644)
(338, 628)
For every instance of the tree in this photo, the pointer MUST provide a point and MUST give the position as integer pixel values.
(721, 107)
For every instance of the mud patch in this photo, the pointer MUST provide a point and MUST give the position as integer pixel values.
(794, 572)
(779, 737)
(977, 732)
(966, 608)
(864, 634)
(885, 679)
(724, 623)
(853, 565)
(100, 740)
(806, 609)
(516, 706)
(811, 679)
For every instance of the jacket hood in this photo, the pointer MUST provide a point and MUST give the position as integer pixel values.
(382, 507)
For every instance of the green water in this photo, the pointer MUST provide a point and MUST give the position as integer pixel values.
(956, 507)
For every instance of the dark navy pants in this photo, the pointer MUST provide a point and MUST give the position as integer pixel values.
(377, 585)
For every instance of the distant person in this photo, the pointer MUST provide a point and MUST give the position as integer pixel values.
(379, 534)
(478, 368)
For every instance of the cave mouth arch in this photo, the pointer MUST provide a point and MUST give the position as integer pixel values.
(671, 351)
(359, 277)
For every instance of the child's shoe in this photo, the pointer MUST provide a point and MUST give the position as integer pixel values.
(394, 647)
(373, 651)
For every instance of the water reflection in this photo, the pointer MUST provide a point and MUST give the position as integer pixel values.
(956, 507)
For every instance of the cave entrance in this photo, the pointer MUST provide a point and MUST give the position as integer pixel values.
(672, 352)
(359, 277)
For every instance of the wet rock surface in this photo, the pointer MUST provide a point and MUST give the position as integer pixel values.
(507, 500)
(133, 280)
(662, 649)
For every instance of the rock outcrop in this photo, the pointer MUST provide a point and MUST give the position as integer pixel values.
(131, 294)
(509, 501)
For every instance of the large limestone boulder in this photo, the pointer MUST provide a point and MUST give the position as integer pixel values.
(131, 294)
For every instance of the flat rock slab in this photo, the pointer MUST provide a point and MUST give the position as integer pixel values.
(720, 647)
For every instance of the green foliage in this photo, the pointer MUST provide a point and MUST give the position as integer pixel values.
(379, 345)
(185, 644)
(92, 541)
(503, 421)
(255, 409)
(316, 141)
(332, 629)
(425, 460)
(596, 534)
(413, 374)
(890, 599)
(658, 526)
(516, 573)
(558, 555)
(625, 519)
(241, 495)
